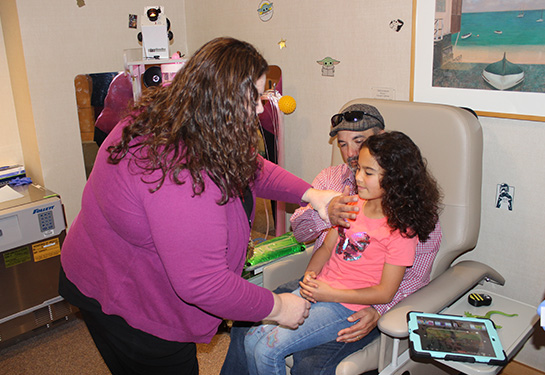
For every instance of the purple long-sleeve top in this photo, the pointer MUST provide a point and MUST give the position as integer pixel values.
(168, 262)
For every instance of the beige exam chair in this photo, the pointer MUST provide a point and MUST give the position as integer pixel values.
(450, 138)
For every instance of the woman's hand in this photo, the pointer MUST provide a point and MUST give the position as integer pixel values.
(289, 310)
(319, 199)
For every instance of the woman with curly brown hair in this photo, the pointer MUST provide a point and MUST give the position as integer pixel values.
(362, 265)
(155, 256)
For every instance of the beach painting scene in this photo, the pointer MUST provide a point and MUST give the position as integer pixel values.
(489, 45)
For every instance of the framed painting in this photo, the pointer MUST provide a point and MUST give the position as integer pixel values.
(488, 55)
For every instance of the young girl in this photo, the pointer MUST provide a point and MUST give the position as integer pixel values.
(362, 265)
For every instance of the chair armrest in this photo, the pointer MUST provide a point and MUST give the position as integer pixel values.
(286, 269)
(438, 294)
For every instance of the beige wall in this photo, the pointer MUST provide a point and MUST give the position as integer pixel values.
(510, 241)
(61, 40)
(356, 33)
(10, 146)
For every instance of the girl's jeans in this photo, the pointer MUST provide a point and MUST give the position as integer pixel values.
(267, 345)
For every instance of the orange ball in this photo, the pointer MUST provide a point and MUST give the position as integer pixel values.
(287, 104)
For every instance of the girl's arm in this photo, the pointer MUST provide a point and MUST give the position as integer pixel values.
(376, 294)
(322, 254)
(317, 262)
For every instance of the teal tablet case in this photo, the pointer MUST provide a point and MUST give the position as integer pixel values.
(454, 338)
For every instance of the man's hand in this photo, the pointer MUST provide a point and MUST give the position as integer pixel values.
(339, 210)
(368, 318)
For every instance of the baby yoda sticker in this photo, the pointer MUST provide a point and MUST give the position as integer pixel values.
(265, 11)
(328, 66)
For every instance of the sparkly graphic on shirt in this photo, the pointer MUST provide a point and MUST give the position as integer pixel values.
(353, 245)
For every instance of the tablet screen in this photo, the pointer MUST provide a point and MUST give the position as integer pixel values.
(455, 336)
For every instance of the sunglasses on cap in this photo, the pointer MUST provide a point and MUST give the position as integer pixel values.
(352, 116)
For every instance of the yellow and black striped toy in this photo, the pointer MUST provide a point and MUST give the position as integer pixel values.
(479, 299)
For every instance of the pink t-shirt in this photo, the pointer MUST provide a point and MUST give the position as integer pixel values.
(361, 251)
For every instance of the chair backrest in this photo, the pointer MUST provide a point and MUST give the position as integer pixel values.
(450, 138)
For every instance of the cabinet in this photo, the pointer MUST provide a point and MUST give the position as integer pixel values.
(32, 229)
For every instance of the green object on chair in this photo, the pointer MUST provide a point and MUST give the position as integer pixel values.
(488, 315)
(273, 249)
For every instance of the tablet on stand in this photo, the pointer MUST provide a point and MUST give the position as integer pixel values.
(454, 338)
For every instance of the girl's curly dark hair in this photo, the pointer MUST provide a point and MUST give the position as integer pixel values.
(411, 200)
(204, 122)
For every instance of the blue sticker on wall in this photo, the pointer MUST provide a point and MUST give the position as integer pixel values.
(265, 11)
(505, 196)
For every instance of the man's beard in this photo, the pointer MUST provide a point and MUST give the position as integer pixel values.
(353, 163)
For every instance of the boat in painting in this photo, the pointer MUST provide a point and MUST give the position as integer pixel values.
(503, 74)
(465, 36)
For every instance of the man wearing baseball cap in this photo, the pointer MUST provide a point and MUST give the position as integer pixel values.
(352, 126)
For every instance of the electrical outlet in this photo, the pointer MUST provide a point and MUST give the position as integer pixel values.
(505, 196)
